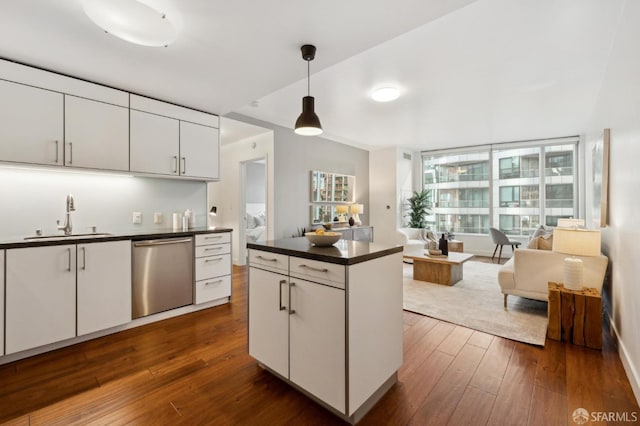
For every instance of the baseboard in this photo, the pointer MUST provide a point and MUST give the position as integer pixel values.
(629, 368)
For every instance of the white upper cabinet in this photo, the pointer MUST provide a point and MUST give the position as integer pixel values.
(199, 151)
(96, 134)
(172, 140)
(31, 124)
(155, 143)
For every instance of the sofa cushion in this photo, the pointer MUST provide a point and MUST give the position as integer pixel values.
(542, 242)
(506, 275)
(533, 243)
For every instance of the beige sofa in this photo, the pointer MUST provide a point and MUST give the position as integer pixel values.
(527, 273)
(413, 239)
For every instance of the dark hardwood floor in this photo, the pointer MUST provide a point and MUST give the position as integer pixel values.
(195, 370)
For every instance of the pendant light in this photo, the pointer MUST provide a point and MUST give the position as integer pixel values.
(308, 124)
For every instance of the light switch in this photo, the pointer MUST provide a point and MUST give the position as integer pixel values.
(137, 217)
(158, 218)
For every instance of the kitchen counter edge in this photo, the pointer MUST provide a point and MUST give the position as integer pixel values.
(363, 251)
(117, 236)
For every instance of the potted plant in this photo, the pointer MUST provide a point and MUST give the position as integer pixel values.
(419, 204)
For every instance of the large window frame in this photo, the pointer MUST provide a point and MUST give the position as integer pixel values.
(517, 176)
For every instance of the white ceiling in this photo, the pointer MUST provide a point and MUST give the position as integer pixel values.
(470, 72)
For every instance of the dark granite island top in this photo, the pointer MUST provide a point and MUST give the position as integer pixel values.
(344, 252)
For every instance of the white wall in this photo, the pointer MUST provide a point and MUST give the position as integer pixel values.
(295, 157)
(226, 194)
(618, 108)
(35, 198)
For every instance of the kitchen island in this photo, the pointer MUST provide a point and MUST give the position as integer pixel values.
(328, 320)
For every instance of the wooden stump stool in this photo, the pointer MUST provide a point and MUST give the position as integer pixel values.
(575, 316)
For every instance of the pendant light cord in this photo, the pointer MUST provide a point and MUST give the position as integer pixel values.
(308, 78)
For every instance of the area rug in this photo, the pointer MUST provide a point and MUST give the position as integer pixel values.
(476, 302)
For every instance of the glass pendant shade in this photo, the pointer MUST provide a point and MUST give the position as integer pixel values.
(308, 123)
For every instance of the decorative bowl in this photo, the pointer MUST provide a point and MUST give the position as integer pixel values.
(323, 240)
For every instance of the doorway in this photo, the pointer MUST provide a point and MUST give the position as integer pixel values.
(253, 201)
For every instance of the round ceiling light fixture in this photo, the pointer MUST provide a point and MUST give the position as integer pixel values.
(385, 94)
(144, 22)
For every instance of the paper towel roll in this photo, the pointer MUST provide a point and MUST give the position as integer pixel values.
(177, 221)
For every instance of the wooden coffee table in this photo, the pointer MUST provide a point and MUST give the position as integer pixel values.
(437, 269)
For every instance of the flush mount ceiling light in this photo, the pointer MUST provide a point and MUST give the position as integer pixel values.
(136, 21)
(385, 94)
(308, 124)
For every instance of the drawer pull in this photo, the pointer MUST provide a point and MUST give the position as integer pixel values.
(311, 268)
(215, 237)
(266, 258)
(213, 248)
(213, 260)
(213, 282)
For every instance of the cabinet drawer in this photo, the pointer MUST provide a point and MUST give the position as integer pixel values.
(213, 249)
(270, 261)
(212, 289)
(322, 272)
(222, 237)
(213, 266)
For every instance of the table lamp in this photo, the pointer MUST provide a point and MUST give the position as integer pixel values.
(342, 211)
(355, 210)
(576, 242)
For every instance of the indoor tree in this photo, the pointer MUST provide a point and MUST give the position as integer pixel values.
(419, 204)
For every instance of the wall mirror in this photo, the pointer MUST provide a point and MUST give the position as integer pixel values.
(332, 187)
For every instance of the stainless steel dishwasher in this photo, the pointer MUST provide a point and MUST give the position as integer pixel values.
(162, 275)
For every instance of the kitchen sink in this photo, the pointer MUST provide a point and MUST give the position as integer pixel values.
(68, 237)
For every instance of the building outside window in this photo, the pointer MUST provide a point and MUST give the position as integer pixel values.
(515, 187)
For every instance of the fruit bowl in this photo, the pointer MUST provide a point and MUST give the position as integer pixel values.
(323, 240)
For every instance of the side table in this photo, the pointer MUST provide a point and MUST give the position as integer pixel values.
(575, 316)
(455, 245)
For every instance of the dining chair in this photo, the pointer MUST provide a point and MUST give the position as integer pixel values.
(500, 239)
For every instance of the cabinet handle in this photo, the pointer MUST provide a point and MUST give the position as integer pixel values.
(184, 164)
(213, 260)
(70, 153)
(84, 258)
(214, 237)
(213, 282)
(213, 248)
(291, 311)
(69, 253)
(175, 164)
(282, 308)
(311, 268)
(266, 258)
(57, 154)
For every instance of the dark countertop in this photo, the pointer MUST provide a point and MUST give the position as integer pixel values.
(344, 252)
(130, 234)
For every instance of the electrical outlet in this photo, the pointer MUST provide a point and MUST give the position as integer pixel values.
(158, 218)
(137, 217)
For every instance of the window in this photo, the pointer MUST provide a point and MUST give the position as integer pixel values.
(514, 187)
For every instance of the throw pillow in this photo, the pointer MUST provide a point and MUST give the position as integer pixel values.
(533, 243)
(545, 242)
(260, 219)
(539, 232)
(251, 221)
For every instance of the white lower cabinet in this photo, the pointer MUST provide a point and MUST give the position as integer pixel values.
(212, 267)
(297, 329)
(317, 341)
(269, 319)
(1, 302)
(40, 296)
(42, 299)
(104, 285)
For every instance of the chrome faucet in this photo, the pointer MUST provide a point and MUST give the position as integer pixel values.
(67, 227)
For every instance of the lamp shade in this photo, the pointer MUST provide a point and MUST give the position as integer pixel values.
(308, 123)
(356, 208)
(342, 209)
(576, 242)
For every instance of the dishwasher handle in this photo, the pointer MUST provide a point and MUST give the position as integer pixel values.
(162, 242)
